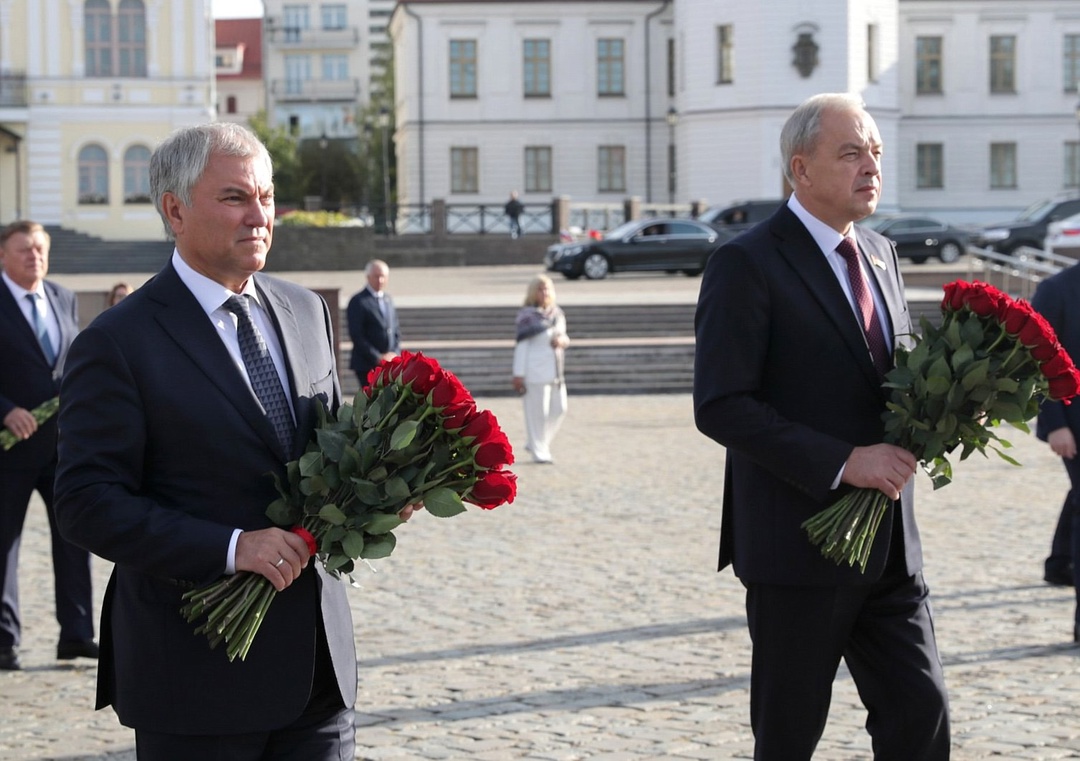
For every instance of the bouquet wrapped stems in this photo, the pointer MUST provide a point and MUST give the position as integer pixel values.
(41, 413)
(846, 530)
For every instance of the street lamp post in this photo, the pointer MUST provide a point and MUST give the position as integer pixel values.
(323, 144)
(672, 120)
(384, 127)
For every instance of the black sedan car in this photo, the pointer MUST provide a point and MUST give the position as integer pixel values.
(919, 238)
(665, 245)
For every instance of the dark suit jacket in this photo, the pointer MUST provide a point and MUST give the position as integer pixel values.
(372, 336)
(1058, 300)
(26, 380)
(165, 451)
(784, 380)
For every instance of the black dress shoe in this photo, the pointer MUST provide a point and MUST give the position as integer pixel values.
(9, 659)
(67, 651)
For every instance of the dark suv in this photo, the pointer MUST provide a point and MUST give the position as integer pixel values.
(739, 216)
(1029, 229)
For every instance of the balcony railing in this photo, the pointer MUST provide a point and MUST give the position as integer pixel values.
(314, 38)
(13, 92)
(315, 89)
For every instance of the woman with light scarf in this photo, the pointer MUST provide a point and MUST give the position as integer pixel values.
(538, 366)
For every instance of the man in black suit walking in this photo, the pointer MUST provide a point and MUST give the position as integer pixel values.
(38, 320)
(373, 322)
(178, 403)
(795, 325)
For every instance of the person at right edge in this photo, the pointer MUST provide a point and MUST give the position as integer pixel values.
(795, 327)
(1058, 425)
(539, 351)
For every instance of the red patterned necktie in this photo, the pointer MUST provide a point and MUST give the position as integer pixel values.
(860, 290)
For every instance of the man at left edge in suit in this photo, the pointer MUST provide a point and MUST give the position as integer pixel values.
(178, 403)
(38, 320)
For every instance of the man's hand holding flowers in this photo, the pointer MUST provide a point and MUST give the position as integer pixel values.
(884, 467)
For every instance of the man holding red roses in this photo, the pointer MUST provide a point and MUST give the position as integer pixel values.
(796, 323)
(1057, 299)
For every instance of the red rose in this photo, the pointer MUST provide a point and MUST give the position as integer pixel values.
(480, 425)
(1037, 332)
(456, 416)
(1015, 316)
(1058, 364)
(420, 373)
(492, 489)
(495, 451)
(955, 297)
(448, 391)
(1065, 386)
(984, 300)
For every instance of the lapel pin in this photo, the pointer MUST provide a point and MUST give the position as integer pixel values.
(877, 262)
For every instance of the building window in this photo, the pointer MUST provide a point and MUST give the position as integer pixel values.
(609, 67)
(114, 45)
(97, 17)
(611, 169)
(871, 52)
(537, 68)
(928, 65)
(538, 169)
(335, 67)
(230, 104)
(333, 16)
(464, 170)
(131, 39)
(294, 20)
(1071, 62)
(1002, 165)
(462, 68)
(93, 175)
(725, 54)
(137, 174)
(1003, 63)
(930, 165)
(297, 73)
(1072, 164)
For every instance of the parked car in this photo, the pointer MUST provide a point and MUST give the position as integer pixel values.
(918, 238)
(1029, 229)
(739, 216)
(661, 244)
(1064, 237)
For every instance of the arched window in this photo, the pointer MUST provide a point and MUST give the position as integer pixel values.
(99, 38)
(137, 174)
(93, 175)
(131, 39)
(115, 45)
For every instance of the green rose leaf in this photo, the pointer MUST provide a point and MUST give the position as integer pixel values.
(397, 488)
(281, 514)
(332, 443)
(381, 523)
(404, 434)
(311, 463)
(353, 544)
(332, 514)
(443, 503)
(379, 547)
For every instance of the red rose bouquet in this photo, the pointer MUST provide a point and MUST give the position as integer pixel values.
(990, 361)
(412, 435)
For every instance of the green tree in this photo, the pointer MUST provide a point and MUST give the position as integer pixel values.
(282, 146)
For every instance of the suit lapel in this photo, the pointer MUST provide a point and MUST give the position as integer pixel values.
(184, 320)
(800, 249)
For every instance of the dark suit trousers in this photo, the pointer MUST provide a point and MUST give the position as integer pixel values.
(883, 631)
(71, 564)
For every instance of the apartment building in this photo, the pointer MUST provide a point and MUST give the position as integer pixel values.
(238, 68)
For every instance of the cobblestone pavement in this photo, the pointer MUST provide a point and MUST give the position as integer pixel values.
(586, 620)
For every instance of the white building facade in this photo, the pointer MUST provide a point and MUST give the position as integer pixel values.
(681, 101)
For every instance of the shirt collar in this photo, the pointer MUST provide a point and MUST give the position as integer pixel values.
(826, 237)
(209, 293)
(18, 291)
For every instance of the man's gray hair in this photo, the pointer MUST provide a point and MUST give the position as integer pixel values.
(370, 267)
(181, 159)
(800, 132)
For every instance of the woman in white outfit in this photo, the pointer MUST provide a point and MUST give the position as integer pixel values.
(538, 366)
